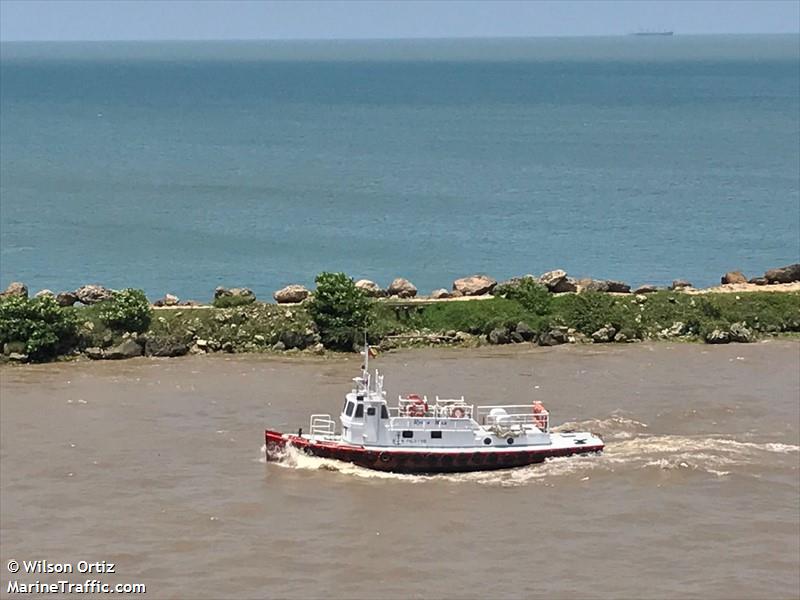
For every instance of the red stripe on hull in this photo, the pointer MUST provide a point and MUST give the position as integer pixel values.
(398, 461)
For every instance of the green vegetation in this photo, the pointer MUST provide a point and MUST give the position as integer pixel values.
(128, 310)
(475, 317)
(233, 301)
(37, 326)
(533, 296)
(256, 327)
(590, 311)
(340, 310)
(637, 317)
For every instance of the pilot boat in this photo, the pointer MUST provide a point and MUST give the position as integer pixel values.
(446, 435)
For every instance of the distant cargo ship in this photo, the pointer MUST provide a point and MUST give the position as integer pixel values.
(654, 33)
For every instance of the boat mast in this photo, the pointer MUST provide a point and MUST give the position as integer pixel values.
(365, 366)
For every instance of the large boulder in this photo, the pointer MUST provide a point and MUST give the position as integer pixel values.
(165, 346)
(552, 279)
(15, 289)
(679, 284)
(402, 288)
(787, 274)
(291, 294)
(618, 287)
(370, 288)
(554, 337)
(758, 281)
(475, 285)
(739, 332)
(126, 349)
(646, 289)
(94, 352)
(45, 294)
(718, 336)
(168, 300)
(604, 335)
(524, 331)
(440, 294)
(604, 285)
(499, 335)
(566, 285)
(677, 329)
(733, 277)
(66, 298)
(92, 294)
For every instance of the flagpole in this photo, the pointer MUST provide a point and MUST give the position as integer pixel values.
(366, 353)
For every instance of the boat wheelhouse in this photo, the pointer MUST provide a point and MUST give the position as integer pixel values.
(422, 435)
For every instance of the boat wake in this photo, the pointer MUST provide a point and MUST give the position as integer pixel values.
(630, 448)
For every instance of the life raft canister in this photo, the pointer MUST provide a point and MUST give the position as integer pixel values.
(457, 412)
(418, 408)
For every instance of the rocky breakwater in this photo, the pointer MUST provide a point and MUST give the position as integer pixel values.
(547, 310)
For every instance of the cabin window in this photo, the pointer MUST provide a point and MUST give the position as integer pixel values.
(359, 411)
(349, 410)
(408, 434)
(436, 435)
(384, 412)
(371, 411)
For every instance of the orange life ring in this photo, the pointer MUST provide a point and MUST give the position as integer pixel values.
(458, 412)
(418, 408)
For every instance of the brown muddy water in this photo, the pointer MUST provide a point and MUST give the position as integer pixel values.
(157, 466)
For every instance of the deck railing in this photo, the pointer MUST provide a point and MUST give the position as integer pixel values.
(321, 424)
(443, 408)
(513, 415)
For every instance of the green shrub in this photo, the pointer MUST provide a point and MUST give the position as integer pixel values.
(41, 324)
(533, 296)
(233, 301)
(340, 310)
(767, 312)
(475, 316)
(128, 310)
(589, 311)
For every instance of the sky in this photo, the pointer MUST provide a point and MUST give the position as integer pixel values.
(334, 19)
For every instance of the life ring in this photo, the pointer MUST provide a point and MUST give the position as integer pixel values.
(418, 406)
(457, 412)
(384, 456)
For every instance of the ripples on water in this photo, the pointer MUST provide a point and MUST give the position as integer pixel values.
(628, 448)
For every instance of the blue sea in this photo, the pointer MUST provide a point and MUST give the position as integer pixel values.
(180, 166)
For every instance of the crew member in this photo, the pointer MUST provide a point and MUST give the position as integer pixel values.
(540, 415)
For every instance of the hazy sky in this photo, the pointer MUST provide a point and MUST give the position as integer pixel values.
(245, 19)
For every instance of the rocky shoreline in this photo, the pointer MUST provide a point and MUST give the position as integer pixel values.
(547, 310)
